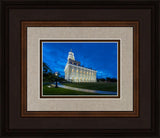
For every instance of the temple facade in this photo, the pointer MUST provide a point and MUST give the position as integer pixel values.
(74, 72)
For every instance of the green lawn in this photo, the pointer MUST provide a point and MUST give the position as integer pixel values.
(62, 91)
(103, 86)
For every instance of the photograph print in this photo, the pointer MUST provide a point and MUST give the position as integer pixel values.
(80, 68)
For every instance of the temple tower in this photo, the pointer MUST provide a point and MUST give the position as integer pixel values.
(74, 72)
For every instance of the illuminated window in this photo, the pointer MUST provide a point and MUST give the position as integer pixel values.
(87, 72)
(77, 70)
(72, 70)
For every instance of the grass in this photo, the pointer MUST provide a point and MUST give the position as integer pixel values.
(62, 91)
(103, 86)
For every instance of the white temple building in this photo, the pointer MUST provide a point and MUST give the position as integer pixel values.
(74, 72)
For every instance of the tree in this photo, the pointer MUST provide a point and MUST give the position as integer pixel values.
(108, 79)
(102, 79)
(46, 68)
(47, 73)
(113, 80)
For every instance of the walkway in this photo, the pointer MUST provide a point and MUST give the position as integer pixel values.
(87, 90)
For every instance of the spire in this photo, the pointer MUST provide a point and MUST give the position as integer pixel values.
(71, 55)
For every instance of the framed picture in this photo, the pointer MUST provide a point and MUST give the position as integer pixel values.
(80, 68)
(58, 81)
(74, 79)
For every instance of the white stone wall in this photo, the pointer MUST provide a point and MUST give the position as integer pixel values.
(75, 73)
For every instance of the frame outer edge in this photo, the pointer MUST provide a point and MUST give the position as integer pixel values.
(158, 69)
(2, 75)
(155, 27)
(1, 70)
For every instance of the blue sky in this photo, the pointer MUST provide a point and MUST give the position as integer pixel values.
(100, 56)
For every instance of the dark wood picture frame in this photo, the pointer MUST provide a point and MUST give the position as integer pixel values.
(13, 12)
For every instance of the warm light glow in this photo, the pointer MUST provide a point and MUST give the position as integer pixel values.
(56, 73)
(72, 70)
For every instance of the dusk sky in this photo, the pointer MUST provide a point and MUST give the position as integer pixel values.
(100, 56)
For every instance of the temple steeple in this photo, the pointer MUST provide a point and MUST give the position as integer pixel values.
(74, 72)
(71, 55)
